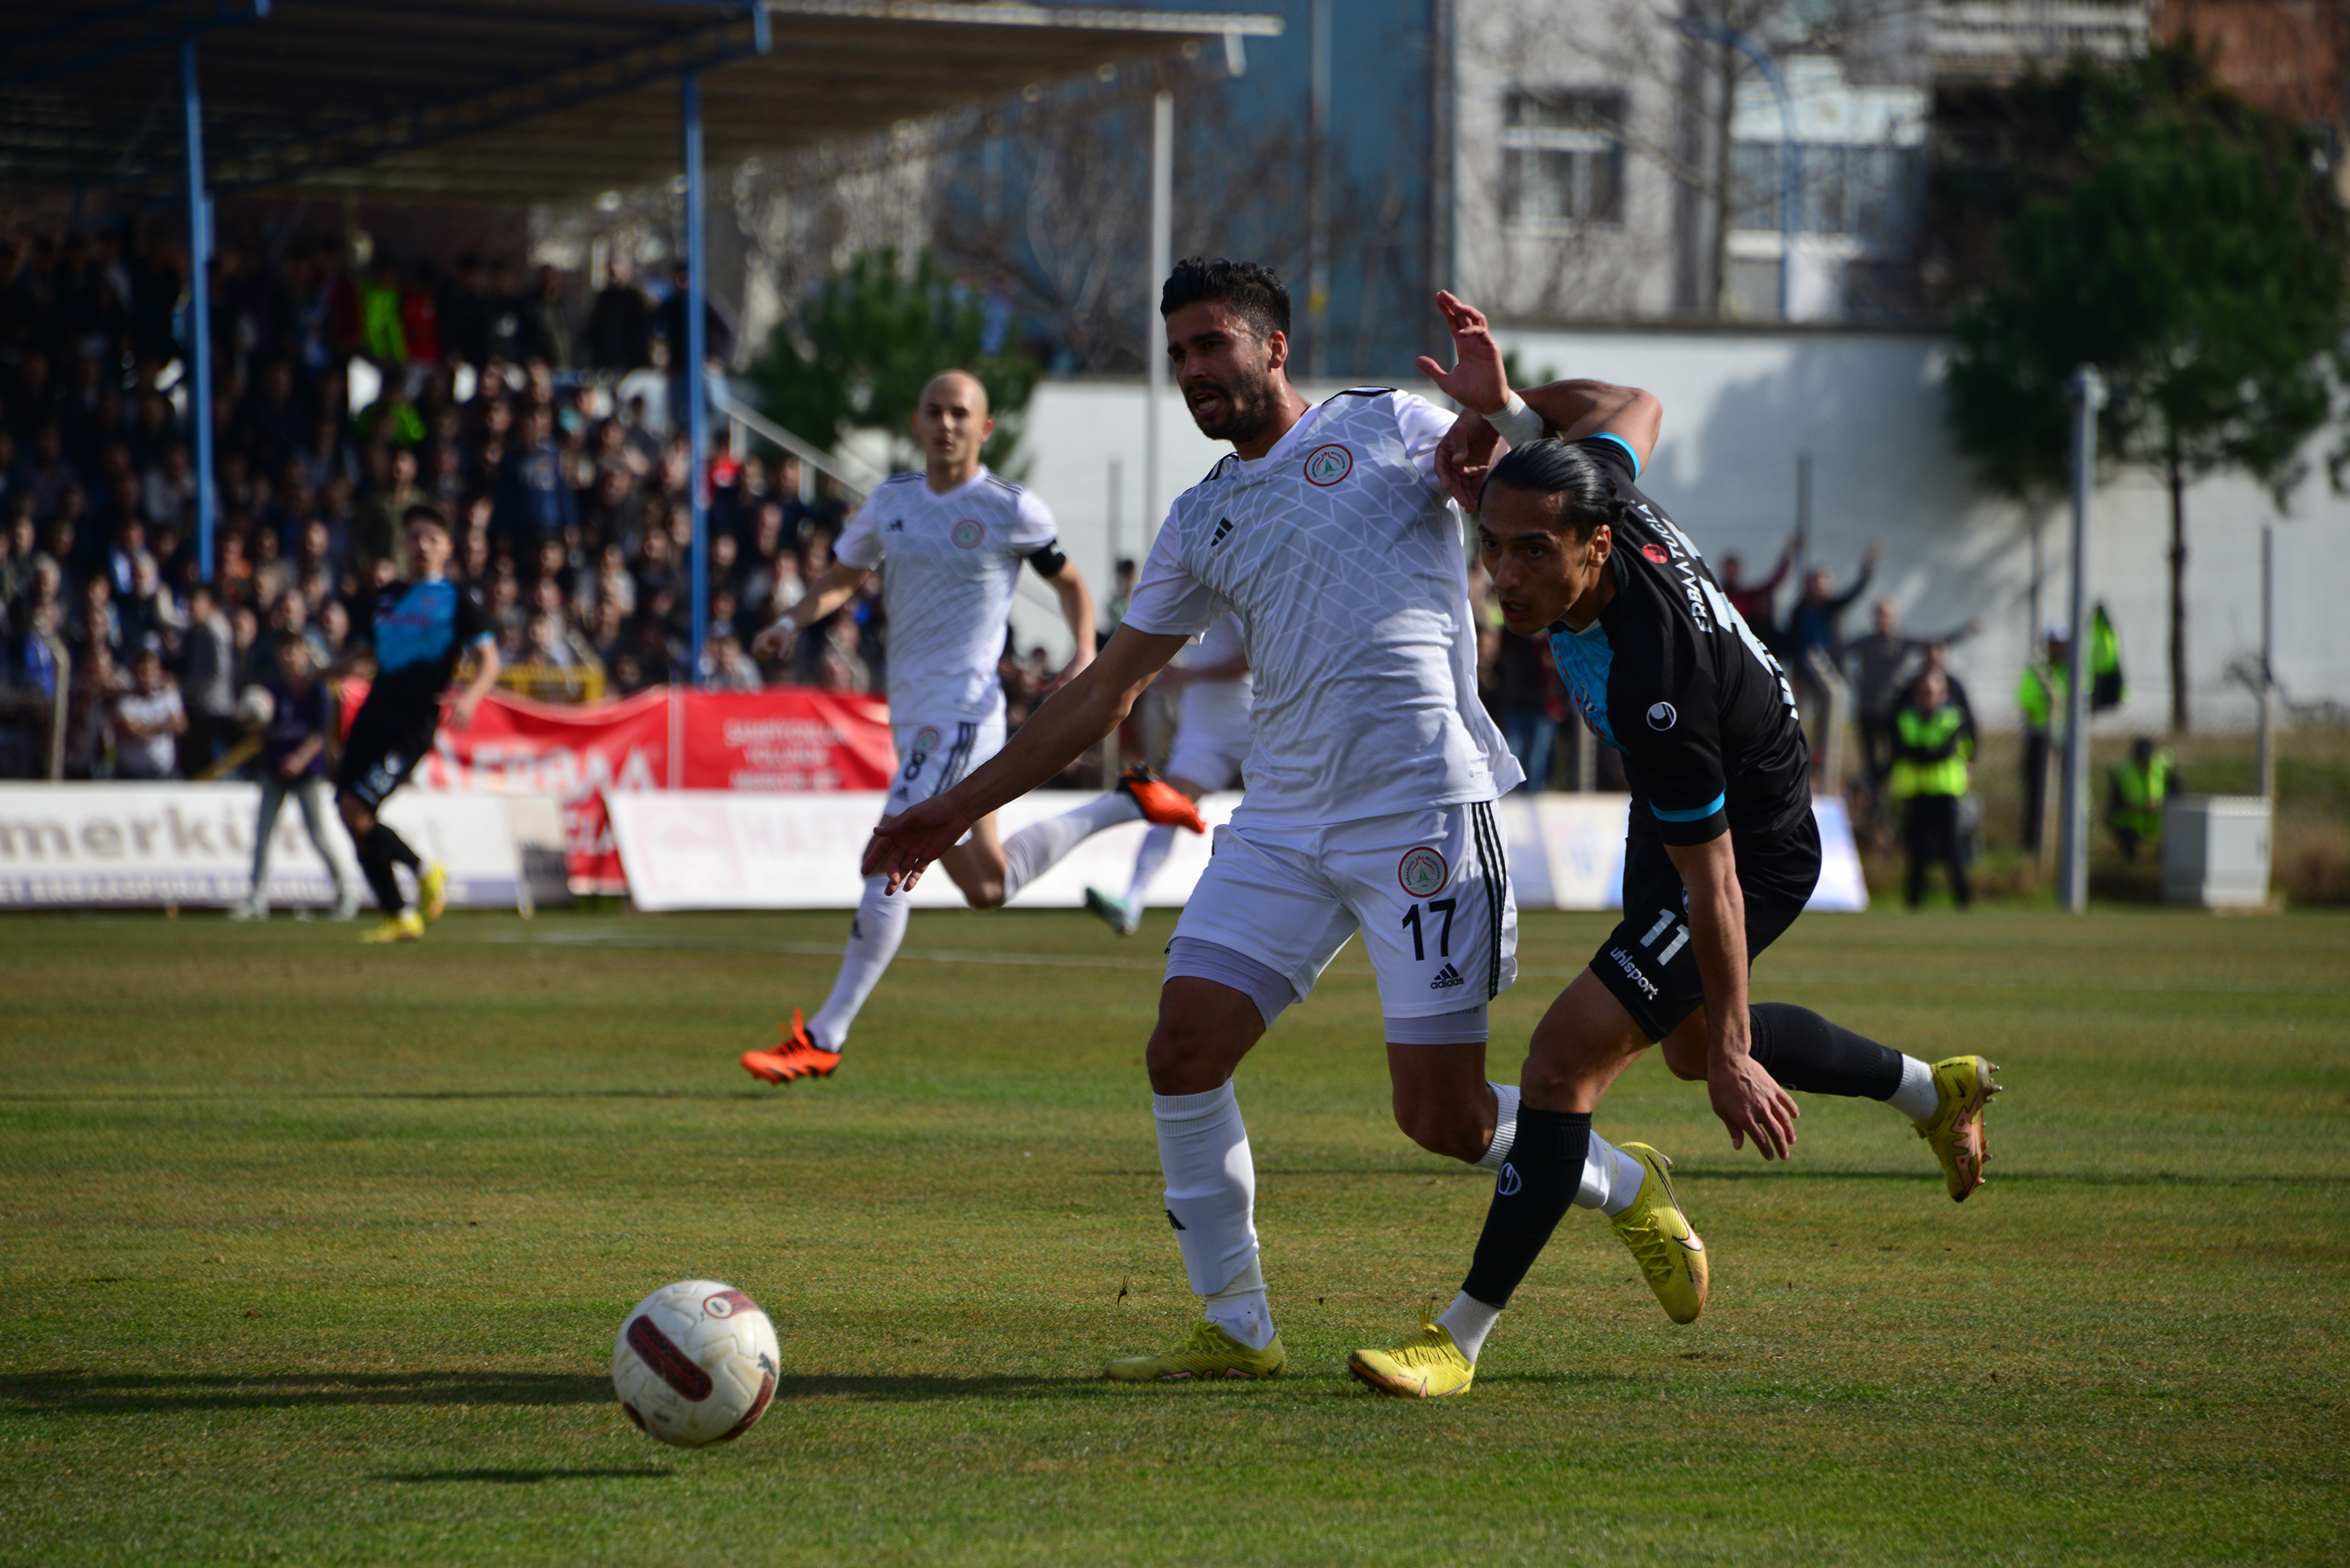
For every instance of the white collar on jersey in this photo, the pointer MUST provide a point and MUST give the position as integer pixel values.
(1290, 439)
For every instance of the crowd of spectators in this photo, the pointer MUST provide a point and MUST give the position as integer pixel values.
(502, 405)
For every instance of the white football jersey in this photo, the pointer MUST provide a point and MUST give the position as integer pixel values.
(1342, 555)
(949, 564)
(1222, 706)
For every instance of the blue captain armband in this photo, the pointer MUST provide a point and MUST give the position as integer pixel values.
(1693, 824)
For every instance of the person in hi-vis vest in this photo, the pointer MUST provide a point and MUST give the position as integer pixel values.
(1933, 736)
(2137, 788)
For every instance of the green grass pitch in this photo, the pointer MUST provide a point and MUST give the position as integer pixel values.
(315, 1253)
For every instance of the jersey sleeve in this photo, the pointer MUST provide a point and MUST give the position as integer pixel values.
(1169, 601)
(1032, 528)
(472, 621)
(361, 637)
(859, 543)
(1423, 427)
(1667, 720)
(1615, 454)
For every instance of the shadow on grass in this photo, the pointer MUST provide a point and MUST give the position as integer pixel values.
(2008, 1177)
(70, 1391)
(523, 1477)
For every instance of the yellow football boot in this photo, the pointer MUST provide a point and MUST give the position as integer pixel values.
(1209, 1353)
(1955, 1131)
(1429, 1366)
(406, 926)
(433, 892)
(1669, 1251)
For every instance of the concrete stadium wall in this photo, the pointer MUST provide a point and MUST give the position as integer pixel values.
(1867, 406)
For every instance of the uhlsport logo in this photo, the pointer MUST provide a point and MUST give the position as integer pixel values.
(1422, 872)
(1509, 1181)
(925, 739)
(1327, 465)
(967, 533)
(1661, 715)
(1632, 970)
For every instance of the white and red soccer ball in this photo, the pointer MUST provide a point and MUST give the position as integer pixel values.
(696, 1363)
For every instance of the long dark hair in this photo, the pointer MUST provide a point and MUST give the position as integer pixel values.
(1554, 467)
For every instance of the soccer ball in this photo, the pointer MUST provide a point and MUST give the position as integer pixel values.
(695, 1364)
(255, 708)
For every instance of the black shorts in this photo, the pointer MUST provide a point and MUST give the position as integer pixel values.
(1649, 962)
(387, 741)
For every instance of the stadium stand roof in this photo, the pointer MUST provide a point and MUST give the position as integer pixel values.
(515, 99)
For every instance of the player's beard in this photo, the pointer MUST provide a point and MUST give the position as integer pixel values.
(1250, 406)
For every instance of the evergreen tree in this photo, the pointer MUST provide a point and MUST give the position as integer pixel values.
(871, 335)
(2198, 260)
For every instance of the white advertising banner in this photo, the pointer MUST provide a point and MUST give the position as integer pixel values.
(124, 845)
(716, 849)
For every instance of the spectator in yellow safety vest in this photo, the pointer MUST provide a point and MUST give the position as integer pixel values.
(1933, 736)
(2041, 695)
(2137, 786)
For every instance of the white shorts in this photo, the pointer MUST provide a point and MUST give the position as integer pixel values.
(1209, 755)
(935, 757)
(1430, 891)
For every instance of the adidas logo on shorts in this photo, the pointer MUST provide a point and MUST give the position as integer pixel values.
(1446, 978)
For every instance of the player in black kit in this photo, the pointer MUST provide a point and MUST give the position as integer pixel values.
(416, 632)
(1720, 854)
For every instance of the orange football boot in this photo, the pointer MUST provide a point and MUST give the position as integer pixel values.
(793, 1056)
(1160, 802)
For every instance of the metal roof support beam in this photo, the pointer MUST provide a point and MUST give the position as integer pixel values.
(696, 351)
(200, 325)
(743, 32)
(224, 14)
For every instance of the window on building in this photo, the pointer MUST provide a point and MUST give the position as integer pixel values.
(1562, 160)
(1868, 191)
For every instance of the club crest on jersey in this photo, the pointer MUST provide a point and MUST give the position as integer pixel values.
(1656, 553)
(967, 533)
(1661, 716)
(1422, 872)
(926, 741)
(1327, 465)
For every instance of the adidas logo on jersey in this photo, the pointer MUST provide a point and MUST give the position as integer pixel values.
(1224, 526)
(897, 527)
(1446, 978)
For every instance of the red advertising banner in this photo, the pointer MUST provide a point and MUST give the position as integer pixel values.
(784, 739)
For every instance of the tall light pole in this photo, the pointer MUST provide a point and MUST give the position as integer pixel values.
(2087, 392)
(1154, 332)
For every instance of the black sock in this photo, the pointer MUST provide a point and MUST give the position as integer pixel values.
(377, 869)
(393, 847)
(1536, 1184)
(1805, 1052)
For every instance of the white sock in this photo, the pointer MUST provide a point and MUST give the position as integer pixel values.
(1157, 846)
(873, 939)
(1506, 1133)
(1210, 1187)
(1240, 1309)
(1917, 1098)
(1470, 1321)
(1035, 849)
(1611, 1179)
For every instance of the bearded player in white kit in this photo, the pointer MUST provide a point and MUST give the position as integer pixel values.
(1371, 777)
(1211, 739)
(949, 542)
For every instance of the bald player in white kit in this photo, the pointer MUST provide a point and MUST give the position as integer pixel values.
(948, 541)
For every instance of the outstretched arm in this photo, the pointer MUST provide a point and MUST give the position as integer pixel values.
(1071, 719)
(827, 594)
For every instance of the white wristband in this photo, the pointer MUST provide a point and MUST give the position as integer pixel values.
(1517, 423)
